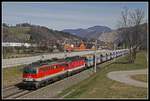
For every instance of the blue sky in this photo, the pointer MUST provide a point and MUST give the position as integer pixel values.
(63, 15)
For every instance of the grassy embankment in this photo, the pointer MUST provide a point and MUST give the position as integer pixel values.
(12, 75)
(99, 86)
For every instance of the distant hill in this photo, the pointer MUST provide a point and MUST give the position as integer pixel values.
(109, 37)
(89, 33)
(143, 33)
(115, 36)
(25, 32)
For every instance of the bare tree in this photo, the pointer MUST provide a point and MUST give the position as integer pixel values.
(137, 17)
(131, 30)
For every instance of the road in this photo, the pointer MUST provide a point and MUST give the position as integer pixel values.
(27, 60)
(125, 77)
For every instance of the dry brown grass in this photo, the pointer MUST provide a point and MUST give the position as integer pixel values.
(140, 77)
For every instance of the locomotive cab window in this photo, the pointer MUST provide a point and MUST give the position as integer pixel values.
(29, 70)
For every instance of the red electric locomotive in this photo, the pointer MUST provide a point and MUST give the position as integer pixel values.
(42, 72)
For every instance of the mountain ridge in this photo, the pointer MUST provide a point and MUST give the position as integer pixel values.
(90, 32)
(25, 32)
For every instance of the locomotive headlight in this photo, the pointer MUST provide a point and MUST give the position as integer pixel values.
(29, 79)
(72, 45)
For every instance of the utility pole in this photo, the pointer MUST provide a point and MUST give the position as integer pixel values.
(115, 52)
(95, 55)
(65, 49)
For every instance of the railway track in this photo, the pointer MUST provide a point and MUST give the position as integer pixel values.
(14, 91)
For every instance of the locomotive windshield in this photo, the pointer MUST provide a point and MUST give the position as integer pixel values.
(29, 70)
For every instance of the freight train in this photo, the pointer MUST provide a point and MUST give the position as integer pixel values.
(42, 72)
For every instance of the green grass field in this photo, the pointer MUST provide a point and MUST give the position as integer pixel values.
(99, 86)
